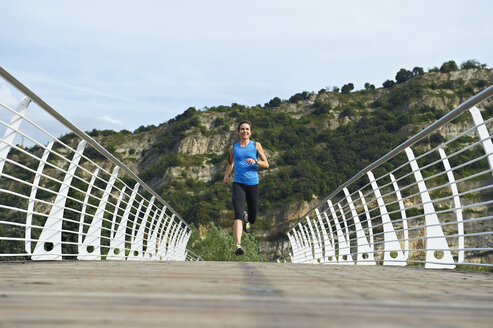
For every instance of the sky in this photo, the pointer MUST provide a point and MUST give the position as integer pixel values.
(110, 64)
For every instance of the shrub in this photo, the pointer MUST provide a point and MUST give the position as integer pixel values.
(403, 75)
(418, 71)
(388, 83)
(274, 102)
(299, 96)
(472, 63)
(346, 88)
(448, 67)
(218, 245)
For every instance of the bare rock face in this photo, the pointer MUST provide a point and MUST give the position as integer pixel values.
(204, 173)
(329, 98)
(199, 144)
(290, 213)
(471, 74)
(272, 250)
(449, 131)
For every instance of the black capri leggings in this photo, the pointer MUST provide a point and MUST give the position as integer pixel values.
(242, 192)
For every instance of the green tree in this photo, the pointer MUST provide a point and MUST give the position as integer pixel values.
(449, 67)
(472, 63)
(418, 71)
(299, 96)
(346, 88)
(274, 102)
(388, 83)
(369, 86)
(403, 75)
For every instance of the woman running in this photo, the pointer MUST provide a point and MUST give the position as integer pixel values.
(245, 157)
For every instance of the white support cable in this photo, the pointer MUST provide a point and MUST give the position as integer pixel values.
(365, 251)
(29, 212)
(392, 245)
(96, 214)
(331, 255)
(328, 249)
(403, 214)
(429, 178)
(150, 252)
(137, 250)
(437, 148)
(483, 134)
(55, 217)
(435, 237)
(417, 205)
(96, 226)
(41, 175)
(169, 242)
(41, 103)
(10, 134)
(44, 202)
(471, 177)
(417, 227)
(115, 213)
(477, 143)
(480, 97)
(32, 196)
(344, 255)
(84, 206)
(457, 202)
(164, 240)
(70, 149)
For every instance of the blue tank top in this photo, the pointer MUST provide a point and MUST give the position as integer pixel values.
(245, 173)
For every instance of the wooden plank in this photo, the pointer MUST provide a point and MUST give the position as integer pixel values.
(233, 294)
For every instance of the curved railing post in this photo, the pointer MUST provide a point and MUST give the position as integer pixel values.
(417, 212)
(80, 204)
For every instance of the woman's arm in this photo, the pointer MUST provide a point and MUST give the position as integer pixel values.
(229, 167)
(263, 163)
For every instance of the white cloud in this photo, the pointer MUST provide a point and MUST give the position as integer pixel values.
(144, 63)
(108, 119)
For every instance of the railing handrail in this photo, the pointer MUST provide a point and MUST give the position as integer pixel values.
(41, 103)
(466, 105)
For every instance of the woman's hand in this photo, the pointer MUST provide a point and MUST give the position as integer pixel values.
(225, 180)
(250, 161)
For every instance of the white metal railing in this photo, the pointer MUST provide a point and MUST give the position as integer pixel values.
(427, 202)
(57, 201)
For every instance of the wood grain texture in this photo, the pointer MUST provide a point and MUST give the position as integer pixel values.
(235, 294)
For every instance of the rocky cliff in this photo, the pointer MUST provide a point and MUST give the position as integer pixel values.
(184, 159)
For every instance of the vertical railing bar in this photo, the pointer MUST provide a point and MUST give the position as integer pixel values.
(470, 130)
(473, 101)
(434, 163)
(437, 212)
(64, 158)
(432, 189)
(41, 103)
(50, 191)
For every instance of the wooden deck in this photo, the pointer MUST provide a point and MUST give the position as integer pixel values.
(227, 294)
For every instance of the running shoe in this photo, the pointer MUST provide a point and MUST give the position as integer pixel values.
(239, 250)
(246, 225)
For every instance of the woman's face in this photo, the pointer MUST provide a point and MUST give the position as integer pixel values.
(245, 131)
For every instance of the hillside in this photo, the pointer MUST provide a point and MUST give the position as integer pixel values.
(314, 142)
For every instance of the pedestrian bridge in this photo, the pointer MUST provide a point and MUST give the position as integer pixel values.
(368, 254)
(239, 294)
